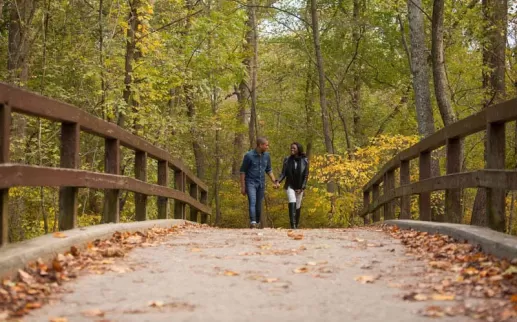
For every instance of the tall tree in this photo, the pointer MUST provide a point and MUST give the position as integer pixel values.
(495, 14)
(253, 127)
(419, 69)
(321, 78)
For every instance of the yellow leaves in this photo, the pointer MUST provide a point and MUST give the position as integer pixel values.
(59, 234)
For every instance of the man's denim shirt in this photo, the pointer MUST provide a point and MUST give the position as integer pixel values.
(255, 166)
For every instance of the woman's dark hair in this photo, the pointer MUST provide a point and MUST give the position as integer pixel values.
(300, 149)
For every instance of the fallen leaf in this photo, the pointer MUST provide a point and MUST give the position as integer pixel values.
(56, 265)
(433, 311)
(440, 264)
(33, 305)
(359, 240)
(59, 234)
(113, 252)
(230, 273)
(366, 279)
(74, 251)
(58, 319)
(93, 313)
(312, 263)
(514, 298)
(155, 304)
(270, 280)
(195, 250)
(26, 277)
(301, 270)
(443, 297)
(508, 313)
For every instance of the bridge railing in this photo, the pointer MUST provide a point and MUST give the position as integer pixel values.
(188, 189)
(494, 178)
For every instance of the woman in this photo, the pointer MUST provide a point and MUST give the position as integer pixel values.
(295, 171)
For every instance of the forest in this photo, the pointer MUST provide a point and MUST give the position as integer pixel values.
(354, 82)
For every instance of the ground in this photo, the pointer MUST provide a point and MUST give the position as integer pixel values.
(208, 274)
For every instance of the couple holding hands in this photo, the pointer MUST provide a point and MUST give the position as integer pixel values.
(257, 163)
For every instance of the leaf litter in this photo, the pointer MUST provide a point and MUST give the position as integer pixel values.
(477, 285)
(39, 282)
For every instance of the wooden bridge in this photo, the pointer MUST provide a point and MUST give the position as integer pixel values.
(188, 189)
(200, 273)
(494, 178)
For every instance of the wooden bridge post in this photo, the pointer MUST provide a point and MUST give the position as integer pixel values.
(112, 166)
(204, 201)
(495, 205)
(405, 200)
(70, 133)
(375, 199)
(366, 205)
(179, 206)
(424, 199)
(5, 130)
(163, 180)
(194, 194)
(453, 207)
(389, 185)
(140, 174)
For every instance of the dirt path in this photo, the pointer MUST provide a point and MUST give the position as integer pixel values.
(251, 275)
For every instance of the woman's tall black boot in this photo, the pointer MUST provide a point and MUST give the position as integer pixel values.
(292, 214)
(297, 217)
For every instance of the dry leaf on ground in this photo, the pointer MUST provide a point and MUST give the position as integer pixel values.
(59, 234)
(93, 313)
(301, 270)
(366, 279)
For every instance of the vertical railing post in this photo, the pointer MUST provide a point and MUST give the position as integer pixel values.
(70, 133)
(194, 194)
(179, 206)
(424, 199)
(389, 185)
(366, 205)
(405, 200)
(204, 200)
(5, 130)
(495, 205)
(140, 174)
(163, 180)
(375, 198)
(453, 207)
(111, 166)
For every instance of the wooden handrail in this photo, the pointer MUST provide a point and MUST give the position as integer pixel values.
(491, 119)
(189, 189)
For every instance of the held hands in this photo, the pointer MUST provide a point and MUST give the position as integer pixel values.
(276, 184)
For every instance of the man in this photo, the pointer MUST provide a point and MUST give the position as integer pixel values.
(255, 164)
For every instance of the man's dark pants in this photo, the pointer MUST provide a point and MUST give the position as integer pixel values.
(255, 193)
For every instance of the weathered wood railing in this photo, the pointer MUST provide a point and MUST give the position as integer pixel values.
(189, 190)
(494, 178)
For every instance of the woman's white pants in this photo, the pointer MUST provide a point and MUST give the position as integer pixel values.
(292, 196)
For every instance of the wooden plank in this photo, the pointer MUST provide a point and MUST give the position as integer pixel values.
(15, 175)
(495, 207)
(453, 206)
(140, 174)
(375, 198)
(204, 201)
(5, 131)
(111, 166)
(389, 184)
(68, 196)
(366, 205)
(424, 199)
(163, 180)
(179, 184)
(29, 103)
(194, 194)
(405, 201)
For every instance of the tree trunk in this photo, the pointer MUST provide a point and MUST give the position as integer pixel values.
(493, 52)
(253, 128)
(132, 55)
(21, 13)
(438, 59)
(321, 76)
(243, 95)
(357, 82)
(191, 111)
(419, 69)
(309, 109)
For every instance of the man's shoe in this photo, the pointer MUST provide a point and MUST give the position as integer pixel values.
(253, 226)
